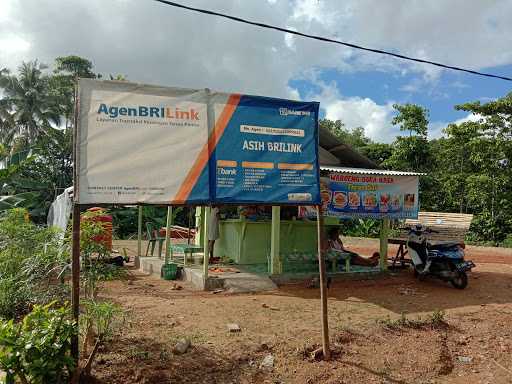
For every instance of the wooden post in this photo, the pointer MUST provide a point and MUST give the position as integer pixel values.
(384, 230)
(139, 239)
(323, 284)
(206, 247)
(75, 278)
(274, 240)
(168, 234)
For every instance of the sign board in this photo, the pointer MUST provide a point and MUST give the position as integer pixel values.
(348, 195)
(159, 145)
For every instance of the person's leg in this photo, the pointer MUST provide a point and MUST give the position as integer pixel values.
(363, 261)
(211, 245)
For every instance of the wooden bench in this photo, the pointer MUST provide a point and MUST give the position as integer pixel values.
(451, 226)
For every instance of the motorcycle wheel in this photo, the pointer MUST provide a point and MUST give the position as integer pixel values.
(461, 281)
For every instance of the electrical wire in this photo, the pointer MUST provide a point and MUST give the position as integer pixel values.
(325, 39)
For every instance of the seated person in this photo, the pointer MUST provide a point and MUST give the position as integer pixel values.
(336, 245)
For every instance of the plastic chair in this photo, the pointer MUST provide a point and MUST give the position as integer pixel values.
(153, 238)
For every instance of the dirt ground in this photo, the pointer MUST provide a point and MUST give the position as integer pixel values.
(471, 343)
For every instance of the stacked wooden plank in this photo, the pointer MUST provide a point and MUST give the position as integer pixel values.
(451, 226)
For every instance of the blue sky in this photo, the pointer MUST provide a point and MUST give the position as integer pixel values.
(450, 89)
(152, 43)
(438, 96)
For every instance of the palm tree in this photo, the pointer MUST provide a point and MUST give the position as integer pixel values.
(27, 109)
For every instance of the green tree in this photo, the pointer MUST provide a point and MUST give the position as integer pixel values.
(63, 82)
(27, 106)
(354, 138)
(379, 153)
(412, 118)
(411, 153)
(44, 173)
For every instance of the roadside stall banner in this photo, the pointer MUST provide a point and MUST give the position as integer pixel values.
(374, 196)
(159, 145)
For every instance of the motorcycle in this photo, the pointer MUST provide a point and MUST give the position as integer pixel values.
(443, 259)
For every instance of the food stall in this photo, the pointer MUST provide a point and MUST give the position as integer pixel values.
(347, 193)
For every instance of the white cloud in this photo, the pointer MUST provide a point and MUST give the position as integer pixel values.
(358, 112)
(469, 117)
(154, 43)
(13, 44)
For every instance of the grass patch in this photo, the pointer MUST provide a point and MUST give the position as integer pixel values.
(434, 320)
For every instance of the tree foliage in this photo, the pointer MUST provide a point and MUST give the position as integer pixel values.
(468, 170)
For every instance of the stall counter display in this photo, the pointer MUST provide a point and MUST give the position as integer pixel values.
(248, 242)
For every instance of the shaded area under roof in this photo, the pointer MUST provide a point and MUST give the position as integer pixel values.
(334, 152)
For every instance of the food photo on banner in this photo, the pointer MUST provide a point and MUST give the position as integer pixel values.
(347, 195)
(159, 145)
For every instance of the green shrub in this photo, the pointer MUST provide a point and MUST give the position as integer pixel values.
(507, 243)
(31, 259)
(37, 349)
(99, 319)
(360, 228)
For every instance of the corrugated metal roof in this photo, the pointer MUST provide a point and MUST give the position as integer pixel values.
(365, 171)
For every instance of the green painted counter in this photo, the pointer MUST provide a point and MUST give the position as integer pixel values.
(248, 242)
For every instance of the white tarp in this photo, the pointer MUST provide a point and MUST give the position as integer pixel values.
(60, 210)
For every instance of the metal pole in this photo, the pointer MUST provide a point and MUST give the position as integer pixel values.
(323, 284)
(139, 239)
(274, 240)
(168, 234)
(75, 278)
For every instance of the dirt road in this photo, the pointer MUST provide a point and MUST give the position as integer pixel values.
(471, 343)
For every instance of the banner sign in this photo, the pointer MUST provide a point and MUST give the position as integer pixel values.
(347, 195)
(158, 145)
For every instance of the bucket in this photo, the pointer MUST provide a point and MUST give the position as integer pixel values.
(168, 271)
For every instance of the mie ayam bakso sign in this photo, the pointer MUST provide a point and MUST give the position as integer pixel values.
(159, 145)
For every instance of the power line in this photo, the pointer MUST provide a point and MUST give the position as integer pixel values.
(325, 39)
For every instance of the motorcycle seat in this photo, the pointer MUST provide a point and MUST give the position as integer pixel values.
(443, 244)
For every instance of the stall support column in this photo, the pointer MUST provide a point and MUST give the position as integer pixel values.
(207, 212)
(384, 230)
(168, 234)
(139, 239)
(274, 241)
(199, 238)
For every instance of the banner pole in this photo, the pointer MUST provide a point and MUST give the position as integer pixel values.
(75, 245)
(75, 279)
(323, 284)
